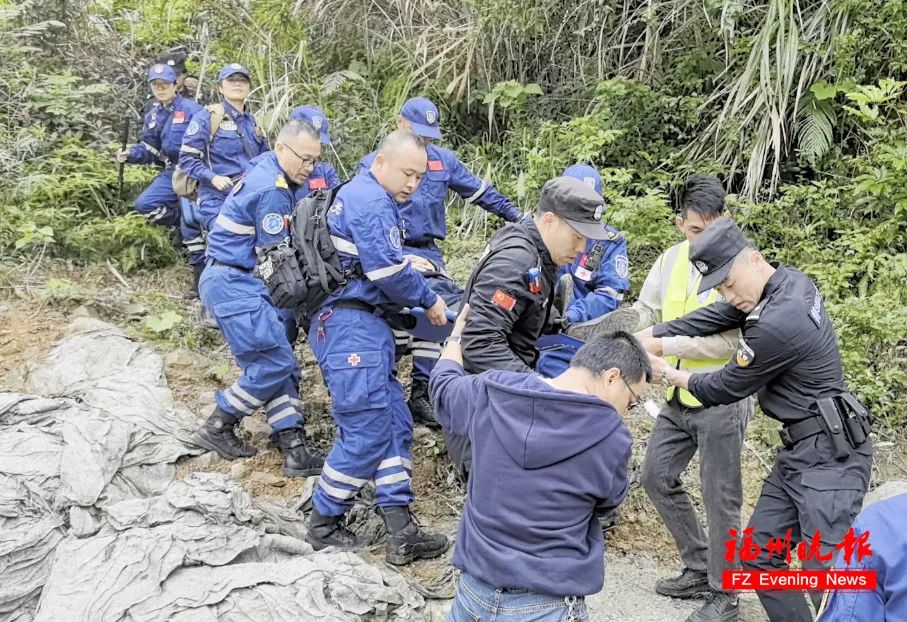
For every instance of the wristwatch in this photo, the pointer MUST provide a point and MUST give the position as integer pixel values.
(454, 339)
(664, 375)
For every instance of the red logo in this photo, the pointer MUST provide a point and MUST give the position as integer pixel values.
(503, 300)
(435, 165)
(747, 550)
(179, 116)
(318, 183)
(354, 359)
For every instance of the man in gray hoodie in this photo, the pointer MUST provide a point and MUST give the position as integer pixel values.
(549, 455)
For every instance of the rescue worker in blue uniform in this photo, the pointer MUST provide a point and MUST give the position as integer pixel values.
(252, 221)
(322, 177)
(424, 219)
(882, 523)
(162, 135)
(218, 159)
(595, 283)
(354, 346)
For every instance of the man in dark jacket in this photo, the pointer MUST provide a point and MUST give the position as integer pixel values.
(511, 290)
(549, 456)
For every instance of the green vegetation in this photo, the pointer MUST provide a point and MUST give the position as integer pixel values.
(799, 104)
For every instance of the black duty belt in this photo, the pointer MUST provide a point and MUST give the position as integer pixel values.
(214, 262)
(419, 243)
(793, 433)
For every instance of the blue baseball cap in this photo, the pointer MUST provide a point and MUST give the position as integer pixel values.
(232, 68)
(586, 174)
(160, 71)
(423, 116)
(314, 117)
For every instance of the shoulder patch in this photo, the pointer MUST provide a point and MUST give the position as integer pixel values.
(815, 311)
(394, 237)
(337, 208)
(282, 182)
(745, 355)
(193, 128)
(622, 266)
(317, 183)
(503, 300)
(435, 165)
(272, 223)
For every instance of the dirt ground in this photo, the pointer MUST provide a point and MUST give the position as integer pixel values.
(37, 303)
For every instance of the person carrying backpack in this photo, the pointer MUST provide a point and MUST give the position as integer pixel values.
(219, 143)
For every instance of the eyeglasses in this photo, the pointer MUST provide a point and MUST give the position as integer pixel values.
(306, 161)
(636, 399)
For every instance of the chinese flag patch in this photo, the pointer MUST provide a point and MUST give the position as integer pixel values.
(435, 165)
(179, 116)
(503, 299)
(318, 183)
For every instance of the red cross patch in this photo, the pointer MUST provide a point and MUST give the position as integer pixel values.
(503, 299)
(318, 183)
(435, 165)
(354, 359)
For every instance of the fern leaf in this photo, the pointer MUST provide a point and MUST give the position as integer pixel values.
(815, 130)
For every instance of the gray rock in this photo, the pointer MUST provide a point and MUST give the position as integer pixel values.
(885, 491)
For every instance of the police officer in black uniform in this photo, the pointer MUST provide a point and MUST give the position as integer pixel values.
(788, 355)
(510, 292)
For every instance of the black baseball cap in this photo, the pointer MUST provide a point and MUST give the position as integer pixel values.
(578, 204)
(714, 251)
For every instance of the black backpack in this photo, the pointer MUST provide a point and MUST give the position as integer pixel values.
(300, 275)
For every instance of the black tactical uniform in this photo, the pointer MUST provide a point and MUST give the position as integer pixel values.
(506, 318)
(510, 292)
(788, 354)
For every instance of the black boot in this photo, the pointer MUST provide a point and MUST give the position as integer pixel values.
(420, 406)
(688, 584)
(192, 294)
(720, 607)
(217, 434)
(327, 531)
(406, 542)
(297, 461)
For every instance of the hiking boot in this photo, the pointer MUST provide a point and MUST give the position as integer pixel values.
(610, 520)
(192, 294)
(218, 434)
(206, 319)
(688, 584)
(420, 406)
(621, 319)
(297, 461)
(325, 531)
(406, 542)
(720, 607)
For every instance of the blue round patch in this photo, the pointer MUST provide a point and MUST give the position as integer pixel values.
(394, 237)
(193, 128)
(272, 223)
(621, 266)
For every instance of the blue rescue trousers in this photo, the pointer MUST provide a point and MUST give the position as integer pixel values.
(159, 203)
(355, 350)
(426, 353)
(252, 328)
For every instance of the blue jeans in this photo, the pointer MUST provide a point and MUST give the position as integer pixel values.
(477, 601)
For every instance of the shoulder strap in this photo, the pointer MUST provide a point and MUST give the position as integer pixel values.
(218, 112)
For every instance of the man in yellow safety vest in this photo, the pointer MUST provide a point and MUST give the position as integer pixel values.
(683, 426)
